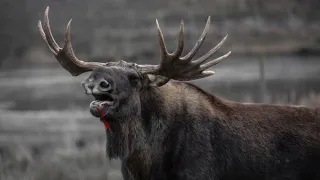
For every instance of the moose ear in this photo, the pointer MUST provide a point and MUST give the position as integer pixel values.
(156, 80)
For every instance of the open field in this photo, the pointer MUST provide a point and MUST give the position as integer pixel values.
(47, 132)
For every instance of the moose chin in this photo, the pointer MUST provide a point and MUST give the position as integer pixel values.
(162, 127)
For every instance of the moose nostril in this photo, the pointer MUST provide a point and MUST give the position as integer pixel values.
(104, 84)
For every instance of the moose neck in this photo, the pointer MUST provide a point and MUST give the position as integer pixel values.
(176, 102)
(160, 108)
(124, 137)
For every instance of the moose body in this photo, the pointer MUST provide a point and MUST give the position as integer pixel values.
(164, 128)
(190, 134)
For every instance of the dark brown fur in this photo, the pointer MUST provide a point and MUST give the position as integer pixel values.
(185, 133)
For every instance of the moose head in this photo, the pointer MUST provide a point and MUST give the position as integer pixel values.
(117, 86)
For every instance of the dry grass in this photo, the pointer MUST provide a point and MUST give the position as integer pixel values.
(89, 163)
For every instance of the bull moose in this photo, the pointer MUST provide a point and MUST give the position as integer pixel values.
(162, 127)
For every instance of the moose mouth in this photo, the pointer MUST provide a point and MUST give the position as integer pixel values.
(102, 100)
(100, 104)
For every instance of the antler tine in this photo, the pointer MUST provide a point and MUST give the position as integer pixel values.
(197, 46)
(179, 50)
(48, 32)
(67, 42)
(65, 55)
(210, 53)
(163, 47)
(214, 61)
(68, 46)
(43, 35)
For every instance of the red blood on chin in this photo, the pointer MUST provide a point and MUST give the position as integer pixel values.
(102, 118)
(106, 124)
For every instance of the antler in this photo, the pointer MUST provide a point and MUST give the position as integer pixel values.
(172, 66)
(175, 67)
(65, 55)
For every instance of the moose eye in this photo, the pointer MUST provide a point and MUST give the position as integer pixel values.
(134, 79)
(104, 84)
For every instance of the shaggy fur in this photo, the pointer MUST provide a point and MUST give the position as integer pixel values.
(178, 131)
